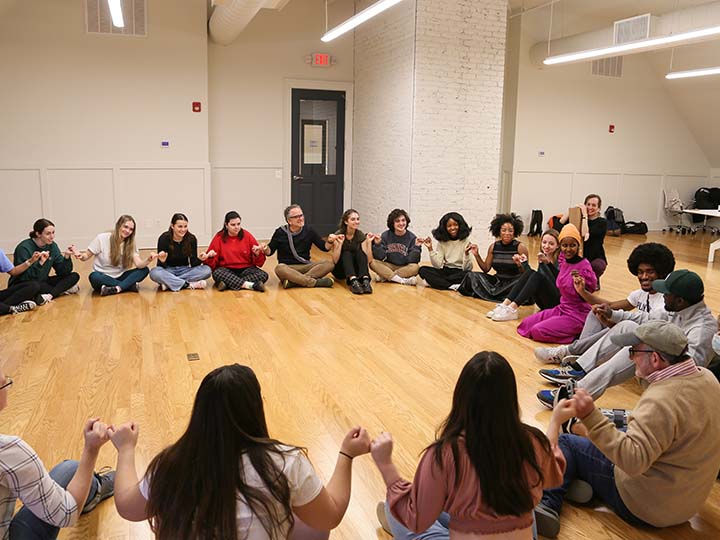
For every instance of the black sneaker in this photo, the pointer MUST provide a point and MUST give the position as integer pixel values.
(356, 287)
(133, 288)
(106, 477)
(27, 305)
(366, 287)
(107, 291)
(324, 282)
(258, 286)
(547, 521)
(287, 284)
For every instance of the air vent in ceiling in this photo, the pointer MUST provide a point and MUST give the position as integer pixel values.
(608, 67)
(632, 29)
(98, 20)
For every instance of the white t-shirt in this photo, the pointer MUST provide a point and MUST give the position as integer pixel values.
(304, 483)
(100, 247)
(644, 301)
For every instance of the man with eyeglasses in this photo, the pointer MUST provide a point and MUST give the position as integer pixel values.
(293, 243)
(660, 471)
(51, 500)
(606, 363)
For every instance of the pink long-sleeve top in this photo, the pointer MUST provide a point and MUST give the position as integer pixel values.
(570, 300)
(418, 504)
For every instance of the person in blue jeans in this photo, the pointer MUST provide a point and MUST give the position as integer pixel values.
(115, 256)
(49, 499)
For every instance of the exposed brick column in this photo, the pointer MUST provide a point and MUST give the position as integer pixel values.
(447, 127)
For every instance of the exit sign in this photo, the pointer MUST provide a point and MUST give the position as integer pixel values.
(320, 60)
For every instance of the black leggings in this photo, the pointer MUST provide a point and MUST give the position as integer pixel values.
(535, 288)
(12, 296)
(56, 285)
(442, 278)
(352, 263)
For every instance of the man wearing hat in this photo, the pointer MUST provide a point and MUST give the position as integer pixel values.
(606, 363)
(660, 471)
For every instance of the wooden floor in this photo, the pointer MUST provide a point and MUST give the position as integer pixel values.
(326, 360)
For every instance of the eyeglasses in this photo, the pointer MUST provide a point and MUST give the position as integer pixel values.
(7, 384)
(633, 351)
(295, 217)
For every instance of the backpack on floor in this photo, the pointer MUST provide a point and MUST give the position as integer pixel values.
(635, 227)
(615, 221)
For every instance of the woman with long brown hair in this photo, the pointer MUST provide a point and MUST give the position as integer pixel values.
(118, 266)
(226, 478)
(486, 470)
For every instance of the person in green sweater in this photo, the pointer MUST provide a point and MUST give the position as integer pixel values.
(660, 471)
(39, 254)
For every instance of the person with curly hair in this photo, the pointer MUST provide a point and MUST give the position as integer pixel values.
(506, 256)
(451, 259)
(396, 252)
(648, 262)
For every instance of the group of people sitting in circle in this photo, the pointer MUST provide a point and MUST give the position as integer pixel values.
(246, 484)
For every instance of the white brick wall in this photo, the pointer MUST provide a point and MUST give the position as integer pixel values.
(457, 63)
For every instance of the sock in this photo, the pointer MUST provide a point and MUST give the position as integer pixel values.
(397, 279)
(247, 285)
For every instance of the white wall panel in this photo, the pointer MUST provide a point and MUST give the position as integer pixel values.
(641, 199)
(80, 203)
(152, 196)
(544, 190)
(22, 205)
(603, 184)
(256, 194)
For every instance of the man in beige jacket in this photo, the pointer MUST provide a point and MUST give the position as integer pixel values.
(669, 454)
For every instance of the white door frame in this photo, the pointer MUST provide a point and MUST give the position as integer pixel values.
(346, 87)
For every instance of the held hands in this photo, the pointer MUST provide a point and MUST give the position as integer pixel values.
(95, 433)
(152, 256)
(472, 248)
(381, 449)
(373, 237)
(44, 256)
(519, 258)
(207, 255)
(70, 252)
(257, 249)
(602, 312)
(356, 442)
(542, 258)
(578, 282)
(162, 256)
(427, 242)
(582, 403)
(564, 411)
(124, 436)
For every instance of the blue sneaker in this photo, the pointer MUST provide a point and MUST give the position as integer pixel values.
(547, 398)
(562, 375)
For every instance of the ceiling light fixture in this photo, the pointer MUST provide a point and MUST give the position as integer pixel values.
(116, 13)
(358, 19)
(693, 73)
(635, 46)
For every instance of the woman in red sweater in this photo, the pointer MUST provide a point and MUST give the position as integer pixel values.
(235, 257)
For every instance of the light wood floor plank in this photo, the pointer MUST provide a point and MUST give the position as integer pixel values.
(326, 360)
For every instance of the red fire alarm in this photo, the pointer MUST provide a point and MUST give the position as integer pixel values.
(196, 106)
(611, 129)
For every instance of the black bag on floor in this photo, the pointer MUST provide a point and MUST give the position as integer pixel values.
(635, 227)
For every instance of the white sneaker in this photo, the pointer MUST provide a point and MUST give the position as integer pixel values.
(412, 281)
(551, 355)
(73, 290)
(43, 299)
(496, 309)
(454, 287)
(163, 287)
(505, 314)
(202, 284)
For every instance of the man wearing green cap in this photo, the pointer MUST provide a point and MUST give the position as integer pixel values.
(661, 470)
(606, 363)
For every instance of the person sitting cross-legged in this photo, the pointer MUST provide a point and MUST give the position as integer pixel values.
(293, 243)
(396, 252)
(660, 471)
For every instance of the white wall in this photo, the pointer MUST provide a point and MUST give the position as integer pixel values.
(85, 114)
(249, 119)
(566, 112)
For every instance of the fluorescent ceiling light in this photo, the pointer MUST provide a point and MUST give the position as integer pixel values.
(635, 46)
(116, 13)
(693, 73)
(359, 18)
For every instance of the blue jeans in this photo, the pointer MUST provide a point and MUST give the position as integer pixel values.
(586, 462)
(175, 277)
(438, 531)
(126, 279)
(27, 526)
